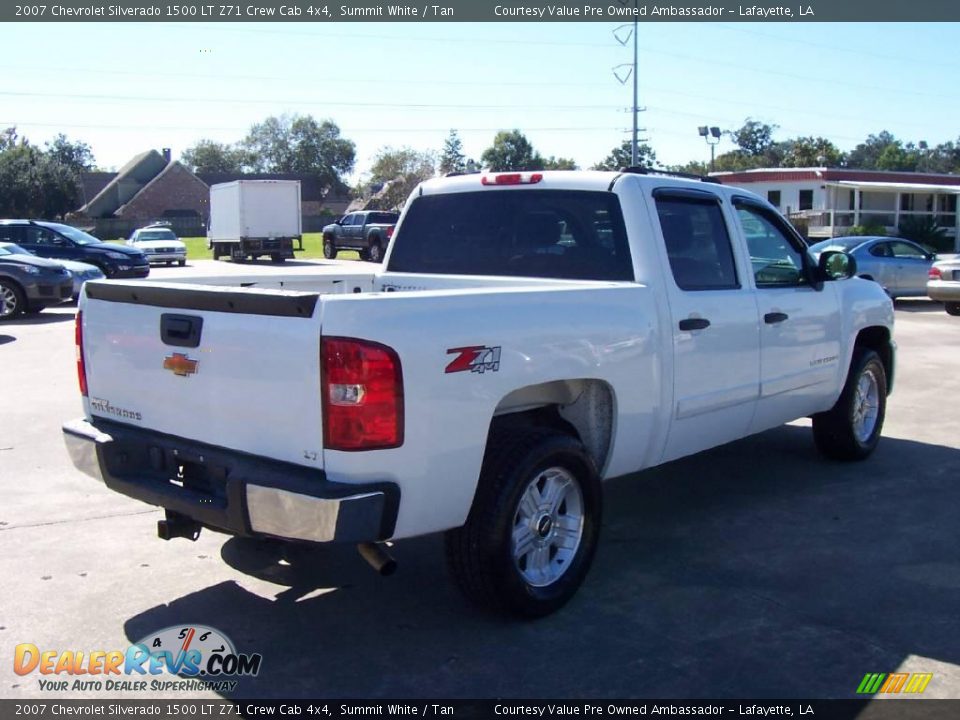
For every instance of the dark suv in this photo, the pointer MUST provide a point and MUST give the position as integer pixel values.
(62, 242)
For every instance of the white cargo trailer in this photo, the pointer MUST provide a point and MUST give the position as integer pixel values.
(250, 218)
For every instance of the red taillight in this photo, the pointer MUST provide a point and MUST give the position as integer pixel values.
(81, 366)
(362, 395)
(390, 232)
(935, 274)
(512, 179)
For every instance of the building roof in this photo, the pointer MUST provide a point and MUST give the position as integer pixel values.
(139, 171)
(823, 174)
(910, 187)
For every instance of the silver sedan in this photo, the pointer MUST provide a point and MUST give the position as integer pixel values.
(944, 283)
(900, 266)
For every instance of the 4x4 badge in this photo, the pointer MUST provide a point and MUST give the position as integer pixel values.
(180, 364)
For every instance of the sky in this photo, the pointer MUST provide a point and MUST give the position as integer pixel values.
(124, 88)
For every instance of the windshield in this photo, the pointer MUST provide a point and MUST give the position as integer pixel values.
(155, 235)
(78, 236)
(12, 249)
(573, 235)
(845, 244)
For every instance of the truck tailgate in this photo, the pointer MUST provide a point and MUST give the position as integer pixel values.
(233, 368)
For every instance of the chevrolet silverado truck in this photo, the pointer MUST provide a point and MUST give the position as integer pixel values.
(529, 336)
(368, 231)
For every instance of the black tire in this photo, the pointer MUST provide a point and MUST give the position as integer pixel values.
(277, 258)
(329, 248)
(181, 263)
(480, 555)
(375, 253)
(364, 254)
(952, 308)
(835, 432)
(12, 300)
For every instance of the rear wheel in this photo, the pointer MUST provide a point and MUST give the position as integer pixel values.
(376, 252)
(952, 308)
(532, 530)
(277, 258)
(850, 430)
(181, 263)
(12, 301)
(329, 249)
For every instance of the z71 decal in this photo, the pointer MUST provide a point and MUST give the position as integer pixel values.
(477, 358)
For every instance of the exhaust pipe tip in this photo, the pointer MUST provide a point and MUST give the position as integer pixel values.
(378, 558)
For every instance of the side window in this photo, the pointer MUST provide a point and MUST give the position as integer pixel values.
(776, 260)
(881, 249)
(41, 236)
(806, 200)
(906, 250)
(698, 244)
(12, 234)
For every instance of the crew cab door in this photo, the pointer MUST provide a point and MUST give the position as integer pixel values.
(714, 329)
(799, 320)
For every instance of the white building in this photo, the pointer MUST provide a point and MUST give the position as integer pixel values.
(834, 200)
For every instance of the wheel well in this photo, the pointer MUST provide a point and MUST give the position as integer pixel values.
(878, 340)
(583, 409)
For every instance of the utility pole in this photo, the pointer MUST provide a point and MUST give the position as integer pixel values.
(631, 70)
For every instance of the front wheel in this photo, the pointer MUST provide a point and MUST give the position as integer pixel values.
(952, 308)
(850, 430)
(12, 300)
(532, 530)
(329, 249)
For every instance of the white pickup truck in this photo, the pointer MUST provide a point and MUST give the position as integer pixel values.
(529, 336)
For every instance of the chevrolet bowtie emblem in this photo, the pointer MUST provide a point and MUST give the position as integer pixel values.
(180, 364)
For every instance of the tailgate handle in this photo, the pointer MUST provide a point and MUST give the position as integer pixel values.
(181, 330)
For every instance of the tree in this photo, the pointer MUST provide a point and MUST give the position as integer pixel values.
(452, 159)
(75, 155)
(754, 138)
(394, 175)
(208, 156)
(561, 163)
(511, 151)
(866, 155)
(621, 156)
(300, 144)
(34, 183)
(810, 152)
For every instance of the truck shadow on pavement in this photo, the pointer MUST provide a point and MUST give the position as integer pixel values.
(753, 570)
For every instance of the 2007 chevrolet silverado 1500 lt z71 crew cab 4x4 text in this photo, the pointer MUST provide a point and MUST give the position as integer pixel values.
(530, 335)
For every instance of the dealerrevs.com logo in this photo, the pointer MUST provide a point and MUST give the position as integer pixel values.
(200, 657)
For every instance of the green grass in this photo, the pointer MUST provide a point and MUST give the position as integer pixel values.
(312, 248)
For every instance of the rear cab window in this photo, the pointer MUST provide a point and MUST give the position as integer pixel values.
(563, 234)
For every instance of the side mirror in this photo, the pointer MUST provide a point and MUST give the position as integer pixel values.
(837, 265)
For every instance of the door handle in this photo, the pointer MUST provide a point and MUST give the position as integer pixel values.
(694, 324)
(774, 318)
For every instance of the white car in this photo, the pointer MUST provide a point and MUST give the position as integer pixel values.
(160, 244)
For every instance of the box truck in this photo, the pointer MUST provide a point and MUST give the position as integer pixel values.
(251, 218)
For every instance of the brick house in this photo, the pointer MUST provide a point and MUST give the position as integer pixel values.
(151, 187)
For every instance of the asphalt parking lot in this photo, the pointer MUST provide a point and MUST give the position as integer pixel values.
(754, 570)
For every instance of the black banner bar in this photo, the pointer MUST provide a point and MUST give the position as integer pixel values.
(321, 11)
(190, 709)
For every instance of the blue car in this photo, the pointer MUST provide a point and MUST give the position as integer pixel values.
(900, 266)
(57, 241)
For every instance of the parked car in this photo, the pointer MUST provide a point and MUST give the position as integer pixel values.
(63, 242)
(160, 244)
(367, 231)
(81, 272)
(943, 284)
(900, 266)
(28, 283)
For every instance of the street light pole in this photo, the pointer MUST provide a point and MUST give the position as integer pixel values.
(712, 136)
